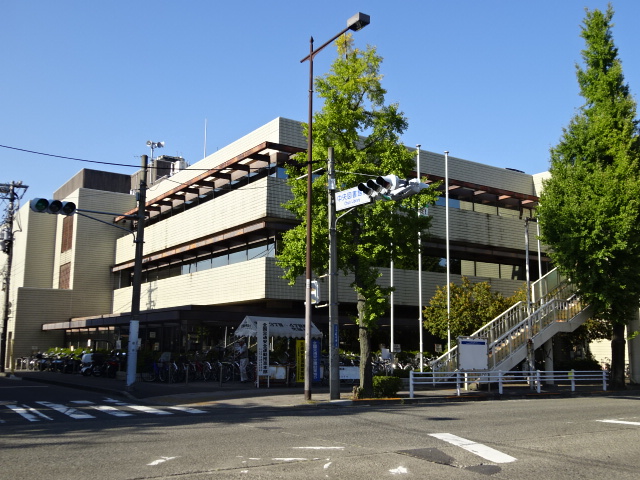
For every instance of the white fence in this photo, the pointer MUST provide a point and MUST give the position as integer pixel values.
(461, 379)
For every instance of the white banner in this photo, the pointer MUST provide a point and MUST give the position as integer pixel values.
(263, 348)
(349, 198)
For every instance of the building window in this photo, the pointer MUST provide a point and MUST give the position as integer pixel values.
(67, 233)
(64, 280)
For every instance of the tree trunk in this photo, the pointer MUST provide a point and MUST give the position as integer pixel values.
(364, 336)
(616, 379)
(366, 372)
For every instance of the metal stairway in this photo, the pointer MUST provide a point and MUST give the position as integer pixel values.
(556, 309)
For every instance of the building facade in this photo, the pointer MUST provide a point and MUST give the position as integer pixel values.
(211, 238)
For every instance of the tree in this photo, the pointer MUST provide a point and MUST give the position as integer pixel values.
(365, 134)
(472, 305)
(590, 208)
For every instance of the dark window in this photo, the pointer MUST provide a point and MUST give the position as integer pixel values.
(64, 281)
(67, 233)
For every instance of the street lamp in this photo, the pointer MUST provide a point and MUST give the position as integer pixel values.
(355, 23)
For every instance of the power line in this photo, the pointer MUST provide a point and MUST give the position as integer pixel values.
(68, 158)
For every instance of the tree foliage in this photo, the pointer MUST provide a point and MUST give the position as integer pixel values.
(472, 305)
(590, 207)
(365, 135)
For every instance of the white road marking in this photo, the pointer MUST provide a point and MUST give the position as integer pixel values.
(159, 461)
(395, 471)
(104, 408)
(479, 449)
(23, 412)
(38, 412)
(70, 411)
(294, 459)
(141, 408)
(319, 448)
(619, 421)
(187, 409)
(112, 411)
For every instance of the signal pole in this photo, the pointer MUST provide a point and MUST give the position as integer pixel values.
(7, 192)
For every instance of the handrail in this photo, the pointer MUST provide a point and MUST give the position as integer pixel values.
(515, 319)
(460, 378)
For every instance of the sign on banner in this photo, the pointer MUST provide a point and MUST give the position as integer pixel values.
(263, 348)
(315, 360)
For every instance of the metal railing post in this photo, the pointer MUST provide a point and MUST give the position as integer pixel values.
(458, 382)
(500, 386)
(604, 380)
(572, 376)
(410, 383)
(538, 381)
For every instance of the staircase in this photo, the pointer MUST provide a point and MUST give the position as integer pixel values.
(556, 308)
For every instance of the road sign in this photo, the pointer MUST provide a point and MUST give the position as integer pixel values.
(350, 198)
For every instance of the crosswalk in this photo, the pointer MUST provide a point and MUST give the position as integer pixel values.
(45, 411)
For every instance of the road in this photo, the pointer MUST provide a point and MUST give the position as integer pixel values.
(70, 434)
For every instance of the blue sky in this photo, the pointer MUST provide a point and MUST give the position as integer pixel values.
(491, 81)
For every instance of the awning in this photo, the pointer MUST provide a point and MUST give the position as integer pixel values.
(278, 327)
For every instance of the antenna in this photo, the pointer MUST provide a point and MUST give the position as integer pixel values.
(205, 138)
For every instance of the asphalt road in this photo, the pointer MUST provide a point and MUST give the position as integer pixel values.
(85, 435)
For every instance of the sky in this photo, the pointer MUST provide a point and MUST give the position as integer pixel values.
(491, 81)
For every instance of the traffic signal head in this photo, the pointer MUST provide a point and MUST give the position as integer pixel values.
(380, 186)
(367, 190)
(42, 205)
(407, 189)
(315, 292)
(388, 183)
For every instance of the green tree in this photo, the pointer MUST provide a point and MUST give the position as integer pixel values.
(472, 305)
(365, 134)
(590, 207)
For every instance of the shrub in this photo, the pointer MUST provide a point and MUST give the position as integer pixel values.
(385, 387)
(578, 364)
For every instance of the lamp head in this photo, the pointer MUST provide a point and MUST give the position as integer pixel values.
(358, 21)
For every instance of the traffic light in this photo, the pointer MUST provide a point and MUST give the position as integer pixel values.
(380, 186)
(315, 292)
(409, 188)
(391, 187)
(42, 205)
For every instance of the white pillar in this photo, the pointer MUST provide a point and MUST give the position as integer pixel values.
(634, 348)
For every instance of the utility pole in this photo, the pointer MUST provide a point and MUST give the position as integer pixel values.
(334, 324)
(7, 192)
(134, 323)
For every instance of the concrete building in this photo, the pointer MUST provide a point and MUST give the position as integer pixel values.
(211, 239)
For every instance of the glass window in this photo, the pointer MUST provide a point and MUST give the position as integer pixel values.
(220, 260)
(203, 265)
(453, 202)
(237, 256)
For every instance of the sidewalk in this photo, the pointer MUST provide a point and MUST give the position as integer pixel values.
(278, 395)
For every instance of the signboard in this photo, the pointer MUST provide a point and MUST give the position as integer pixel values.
(473, 354)
(263, 348)
(349, 373)
(350, 198)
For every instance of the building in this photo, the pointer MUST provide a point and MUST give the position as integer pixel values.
(211, 238)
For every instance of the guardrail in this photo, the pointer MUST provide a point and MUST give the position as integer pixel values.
(463, 379)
